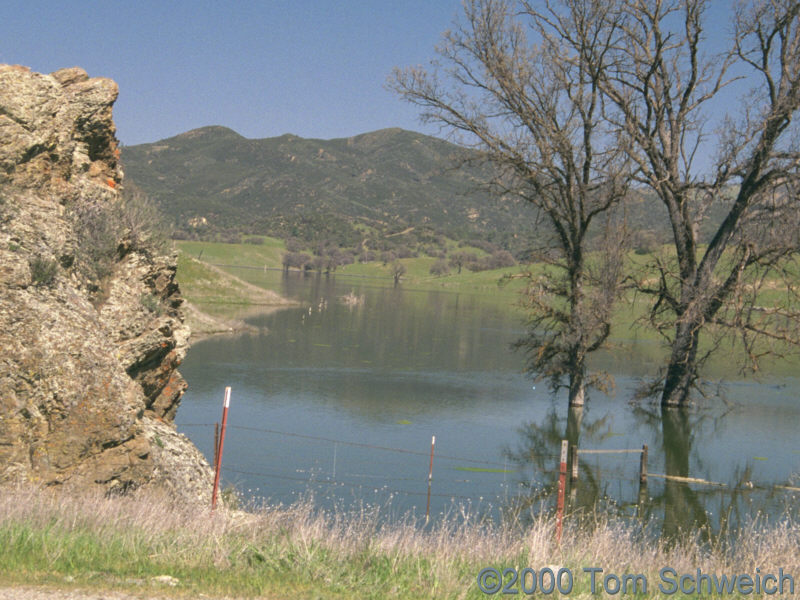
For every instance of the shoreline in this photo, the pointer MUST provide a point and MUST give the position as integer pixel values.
(204, 325)
(205, 286)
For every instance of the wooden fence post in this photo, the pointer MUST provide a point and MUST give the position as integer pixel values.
(574, 474)
(642, 500)
(643, 465)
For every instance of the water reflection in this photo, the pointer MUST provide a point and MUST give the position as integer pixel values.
(676, 497)
(398, 366)
(681, 504)
(537, 455)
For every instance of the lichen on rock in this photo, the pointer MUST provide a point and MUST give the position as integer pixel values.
(91, 328)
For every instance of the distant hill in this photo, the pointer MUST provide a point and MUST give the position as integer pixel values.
(389, 187)
(213, 180)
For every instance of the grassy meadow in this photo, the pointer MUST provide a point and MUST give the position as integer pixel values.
(269, 255)
(147, 544)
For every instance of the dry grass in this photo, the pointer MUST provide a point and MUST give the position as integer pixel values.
(300, 552)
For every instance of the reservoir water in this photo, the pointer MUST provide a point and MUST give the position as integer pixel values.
(340, 398)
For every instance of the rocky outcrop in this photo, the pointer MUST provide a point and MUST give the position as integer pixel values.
(91, 330)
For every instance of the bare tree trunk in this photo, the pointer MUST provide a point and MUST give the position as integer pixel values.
(661, 86)
(682, 367)
(577, 388)
(577, 361)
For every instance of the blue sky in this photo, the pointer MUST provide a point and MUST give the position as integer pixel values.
(315, 69)
(312, 68)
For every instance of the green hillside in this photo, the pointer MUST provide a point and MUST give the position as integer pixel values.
(388, 190)
(213, 181)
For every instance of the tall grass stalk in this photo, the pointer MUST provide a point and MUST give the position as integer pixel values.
(298, 551)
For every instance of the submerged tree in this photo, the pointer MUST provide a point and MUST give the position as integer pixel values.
(533, 109)
(662, 85)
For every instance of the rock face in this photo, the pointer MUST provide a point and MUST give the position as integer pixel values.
(91, 331)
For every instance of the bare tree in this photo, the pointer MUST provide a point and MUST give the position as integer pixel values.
(398, 270)
(295, 260)
(534, 110)
(662, 83)
(459, 259)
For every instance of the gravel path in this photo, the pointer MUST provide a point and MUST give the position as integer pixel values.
(43, 593)
(48, 593)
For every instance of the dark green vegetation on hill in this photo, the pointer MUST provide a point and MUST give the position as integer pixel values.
(366, 191)
(343, 189)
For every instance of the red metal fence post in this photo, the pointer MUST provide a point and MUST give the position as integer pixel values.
(218, 466)
(562, 484)
(430, 477)
(216, 444)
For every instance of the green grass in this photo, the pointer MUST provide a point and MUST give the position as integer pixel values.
(298, 552)
(417, 275)
(483, 470)
(202, 284)
(218, 299)
(270, 253)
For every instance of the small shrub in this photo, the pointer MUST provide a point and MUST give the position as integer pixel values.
(140, 222)
(346, 257)
(294, 244)
(231, 497)
(501, 259)
(180, 234)
(151, 303)
(98, 232)
(477, 266)
(107, 230)
(43, 270)
(439, 267)
(256, 241)
(434, 252)
(645, 242)
(404, 251)
(228, 238)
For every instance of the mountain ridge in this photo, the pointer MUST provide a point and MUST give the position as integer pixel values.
(389, 179)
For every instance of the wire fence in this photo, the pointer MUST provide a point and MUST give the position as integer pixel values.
(390, 481)
(342, 475)
(360, 444)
